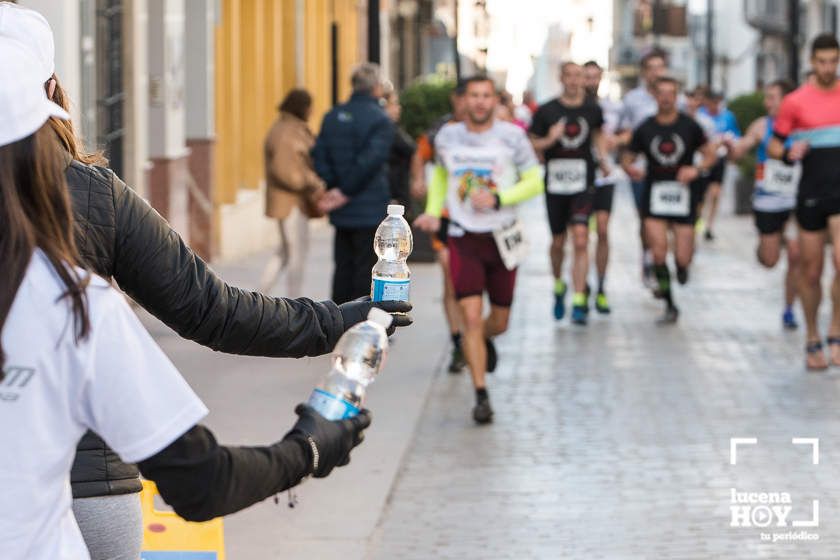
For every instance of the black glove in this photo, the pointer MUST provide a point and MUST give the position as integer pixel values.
(330, 441)
(357, 310)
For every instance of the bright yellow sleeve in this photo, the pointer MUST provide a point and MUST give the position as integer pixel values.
(436, 196)
(530, 185)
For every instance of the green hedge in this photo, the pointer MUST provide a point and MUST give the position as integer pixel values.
(423, 103)
(747, 108)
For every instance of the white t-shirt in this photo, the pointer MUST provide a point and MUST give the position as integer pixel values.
(116, 382)
(491, 160)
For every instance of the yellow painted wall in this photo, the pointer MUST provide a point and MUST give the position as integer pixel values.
(255, 67)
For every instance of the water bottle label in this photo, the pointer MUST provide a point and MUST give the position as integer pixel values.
(387, 289)
(331, 407)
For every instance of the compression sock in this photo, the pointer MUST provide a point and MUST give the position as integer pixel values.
(682, 274)
(456, 339)
(481, 394)
(559, 286)
(601, 280)
(579, 299)
(663, 278)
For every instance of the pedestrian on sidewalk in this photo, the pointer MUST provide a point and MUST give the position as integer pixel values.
(121, 237)
(351, 156)
(402, 154)
(73, 357)
(293, 190)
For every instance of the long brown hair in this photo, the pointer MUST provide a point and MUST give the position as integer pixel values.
(67, 134)
(35, 212)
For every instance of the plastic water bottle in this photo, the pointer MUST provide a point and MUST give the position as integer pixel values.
(356, 361)
(393, 243)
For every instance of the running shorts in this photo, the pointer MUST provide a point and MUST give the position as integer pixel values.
(769, 223)
(476, 266)
(604, 198)
(716, 172)
(568, 209)
(813, 213)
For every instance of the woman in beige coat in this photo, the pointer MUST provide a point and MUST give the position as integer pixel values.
(293, 190)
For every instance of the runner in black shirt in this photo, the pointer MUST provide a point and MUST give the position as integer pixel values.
(565, 130)
(669, 141)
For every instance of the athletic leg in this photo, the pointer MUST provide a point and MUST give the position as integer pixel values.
(834, 329)
(452, 312)
(769, 249)
(473, 339)
(580, 268)
(791, 281)
(712, 198)
(811, 246)
(656, 232)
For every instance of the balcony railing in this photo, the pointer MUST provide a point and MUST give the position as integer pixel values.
(768, 16)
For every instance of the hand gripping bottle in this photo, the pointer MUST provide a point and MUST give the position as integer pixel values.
(393, 244)
(356, 361)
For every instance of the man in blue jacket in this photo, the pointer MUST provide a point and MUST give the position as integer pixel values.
(351, 155)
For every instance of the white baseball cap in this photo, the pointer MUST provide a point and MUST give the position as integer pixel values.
(24, 107)
(32, 29)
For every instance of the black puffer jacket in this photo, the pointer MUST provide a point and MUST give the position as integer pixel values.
(121, 237)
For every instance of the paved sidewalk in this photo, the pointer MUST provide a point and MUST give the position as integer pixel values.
(251, 402)
(612, 441)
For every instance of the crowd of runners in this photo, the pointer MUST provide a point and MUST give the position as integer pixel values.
(672, 147)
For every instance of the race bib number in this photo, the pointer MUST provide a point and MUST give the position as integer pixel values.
(566, 176)
(781, 179)
(670, 198)
(512, 245)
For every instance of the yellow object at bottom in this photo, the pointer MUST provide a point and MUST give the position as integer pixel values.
(166, 536)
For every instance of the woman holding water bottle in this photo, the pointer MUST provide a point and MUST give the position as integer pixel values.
(121, 238)
(103, 371)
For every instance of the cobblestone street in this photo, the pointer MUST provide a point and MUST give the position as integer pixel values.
(612, 441)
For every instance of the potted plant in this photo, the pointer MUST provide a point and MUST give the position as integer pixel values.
(746, 108)
(423, 104)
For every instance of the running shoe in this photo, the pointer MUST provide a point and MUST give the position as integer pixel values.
(560, 304)
(492, 356)
(457, 362)
(482, 411)
(602, 305)
(669, 317)
(789, 321)
(579, 314)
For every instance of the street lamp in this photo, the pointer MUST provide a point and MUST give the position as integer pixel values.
(793, 40)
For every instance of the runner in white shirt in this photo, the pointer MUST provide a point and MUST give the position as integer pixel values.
(775, 195)
(74, 357)
(485, 168)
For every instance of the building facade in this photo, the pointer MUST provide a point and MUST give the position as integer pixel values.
(180, 93)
